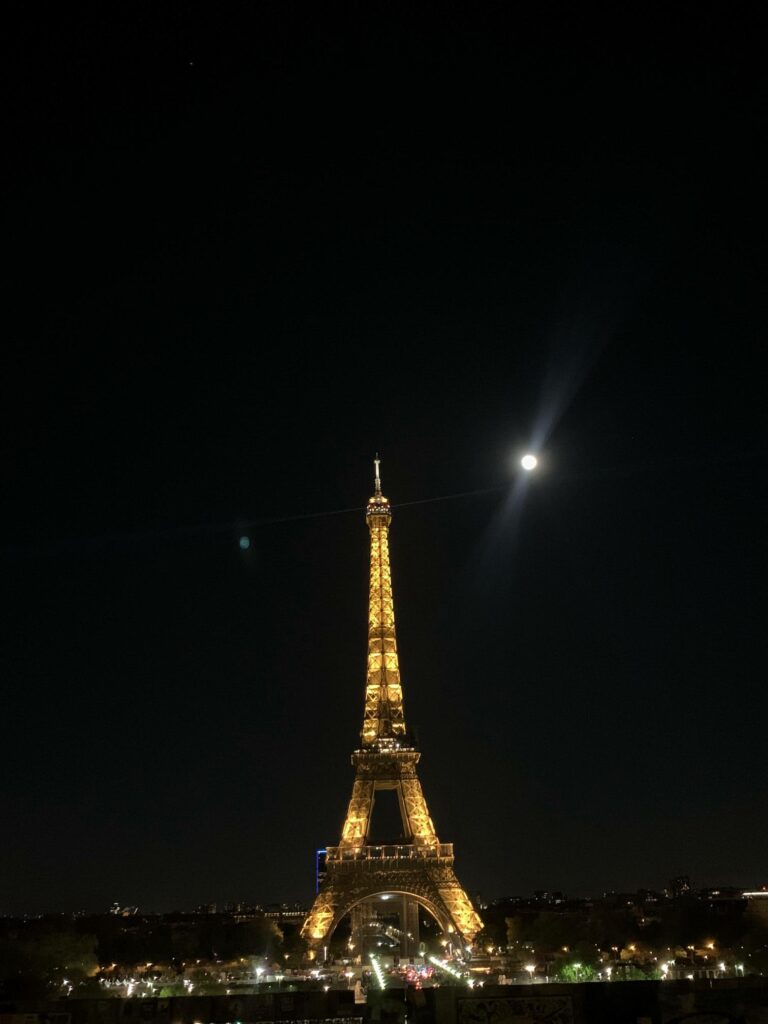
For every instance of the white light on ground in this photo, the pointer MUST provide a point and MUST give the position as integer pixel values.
(445, 966)
(529, 462)
(380, 977)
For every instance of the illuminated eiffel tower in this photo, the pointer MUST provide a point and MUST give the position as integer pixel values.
(418, 870)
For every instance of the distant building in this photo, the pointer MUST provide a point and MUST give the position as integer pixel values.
(120, 911)
(548, 896)
(285, 912)
(757, 904)
(240, 908)
(722, 899)
(679, 886)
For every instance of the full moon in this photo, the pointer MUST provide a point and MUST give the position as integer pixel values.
(529, 462)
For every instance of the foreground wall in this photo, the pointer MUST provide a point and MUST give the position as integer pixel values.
(729, 1001)
(737, 1001)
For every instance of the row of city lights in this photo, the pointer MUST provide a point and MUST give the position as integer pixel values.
(380, 977)
(445, 966)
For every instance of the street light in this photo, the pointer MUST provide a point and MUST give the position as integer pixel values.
(530, 968)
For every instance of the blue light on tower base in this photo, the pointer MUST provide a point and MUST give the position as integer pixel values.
(320, 856)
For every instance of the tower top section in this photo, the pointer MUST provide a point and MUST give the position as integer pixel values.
(383, 719)
(378, 505)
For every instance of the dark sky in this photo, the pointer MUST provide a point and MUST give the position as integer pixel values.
(250, 245)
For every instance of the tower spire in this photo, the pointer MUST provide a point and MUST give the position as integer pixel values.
(383, 719)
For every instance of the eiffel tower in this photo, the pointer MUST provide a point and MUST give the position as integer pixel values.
(418, 870)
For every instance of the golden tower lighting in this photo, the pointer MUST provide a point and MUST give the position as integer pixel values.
(419, 869)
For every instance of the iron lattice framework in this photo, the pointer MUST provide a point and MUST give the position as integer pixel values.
(421, 867)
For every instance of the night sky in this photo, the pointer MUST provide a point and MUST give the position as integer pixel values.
(253, 244)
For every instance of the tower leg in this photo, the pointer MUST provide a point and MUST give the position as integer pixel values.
(403, 927)
(409, 928)
(360, 932)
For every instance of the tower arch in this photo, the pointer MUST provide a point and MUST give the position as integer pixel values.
(433, 910)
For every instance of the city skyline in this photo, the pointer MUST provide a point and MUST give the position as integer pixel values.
(551, 895)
